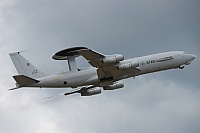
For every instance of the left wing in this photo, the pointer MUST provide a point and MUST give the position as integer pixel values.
(94, 58)
(107, 65)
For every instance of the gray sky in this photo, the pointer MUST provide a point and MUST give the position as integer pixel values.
(160, 102)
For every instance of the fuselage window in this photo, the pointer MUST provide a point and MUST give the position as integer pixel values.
(65, 82)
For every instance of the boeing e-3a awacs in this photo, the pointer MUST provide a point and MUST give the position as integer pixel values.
(105, 72)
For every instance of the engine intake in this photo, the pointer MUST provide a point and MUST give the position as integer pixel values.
(92, 91)
(113, 59)
(128, 65)
(114, 86)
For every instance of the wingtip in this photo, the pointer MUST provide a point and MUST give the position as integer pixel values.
(47, 97)
(53, 96)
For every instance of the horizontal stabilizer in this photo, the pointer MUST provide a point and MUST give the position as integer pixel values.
(23, 80)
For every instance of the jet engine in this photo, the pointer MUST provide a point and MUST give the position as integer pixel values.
(114, 86)
(128, 65)
(92, 91)
(113, 59)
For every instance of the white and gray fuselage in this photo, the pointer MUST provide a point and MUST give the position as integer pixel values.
(144, 64)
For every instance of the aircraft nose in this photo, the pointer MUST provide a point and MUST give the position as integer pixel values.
(190, 58)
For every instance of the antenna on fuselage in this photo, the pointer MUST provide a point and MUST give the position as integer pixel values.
(69, 54)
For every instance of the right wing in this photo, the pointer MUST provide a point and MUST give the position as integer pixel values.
(66, 93)
(78, 90)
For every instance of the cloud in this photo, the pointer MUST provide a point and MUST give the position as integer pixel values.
(142, 106)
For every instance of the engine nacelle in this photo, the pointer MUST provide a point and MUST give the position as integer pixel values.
(114, 86)
(113, 59)
(128, 65)
(92, 91)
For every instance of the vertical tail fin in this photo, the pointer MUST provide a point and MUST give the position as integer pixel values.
(24, 67)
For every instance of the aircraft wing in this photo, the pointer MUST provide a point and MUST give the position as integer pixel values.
(92, 56)
(77, 90)
(107, 65)
(106, 70)
(66, 93)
